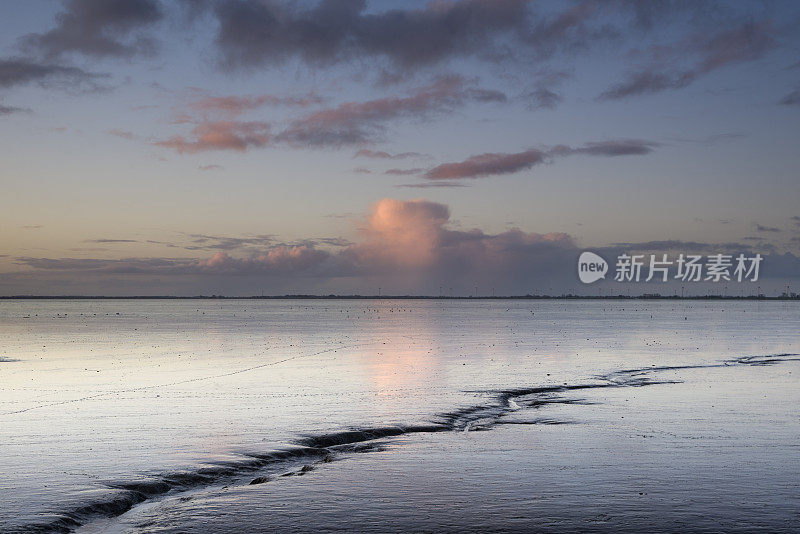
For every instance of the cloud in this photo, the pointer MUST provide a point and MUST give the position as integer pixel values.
(493, 164)
(8, 110)
(401, 40)
(253, 33)
(227, 243)
(197, 242)
(760, 228)
(426, 185)
(110, 241)
(746, 42)
(397, 236)
(792, 99)
(403, 172)
(332, 241)
(346, 124)
(124, 134)
(21, 71)
(403, 246)
(647, 82)
(489, 164)
(362, 122)
(712, 140)
(413, 234)
(613, 148)
(99, 28)
(796, 220)
(649, 15)
(236, 105)
(543, 98)
(674, 245)
(93, 265)
(380, 154)
(221, 135)
(278, 260)
(401, 233)
(211, 167)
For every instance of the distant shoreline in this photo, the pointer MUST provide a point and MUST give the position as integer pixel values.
(403, 297)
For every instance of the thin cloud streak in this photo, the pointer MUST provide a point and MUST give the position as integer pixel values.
(747, 42)
(124, 134)
(490, 164)
(792, 99)
(613, 148)
(674, 245)
(20, 71)
(402, 172)
(428, 185)
(236, 105)
(380, 154)
(8, 110)
(495, 164)
(110, 241)
(362, 122)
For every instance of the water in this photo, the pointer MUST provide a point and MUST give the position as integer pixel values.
(389, 416)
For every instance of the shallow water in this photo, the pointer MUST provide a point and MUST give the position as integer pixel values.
(155, 416)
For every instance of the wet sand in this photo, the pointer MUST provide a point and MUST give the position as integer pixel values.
(552, 416)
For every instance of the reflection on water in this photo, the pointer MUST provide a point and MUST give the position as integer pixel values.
(99, 395)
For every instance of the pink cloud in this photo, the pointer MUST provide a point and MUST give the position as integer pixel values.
(413, 234)
(346, 124)
(221, 135)
(400, 234)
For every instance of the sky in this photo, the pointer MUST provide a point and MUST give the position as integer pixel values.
(247, 147)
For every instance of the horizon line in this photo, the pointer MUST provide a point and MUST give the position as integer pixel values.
(644, 296)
